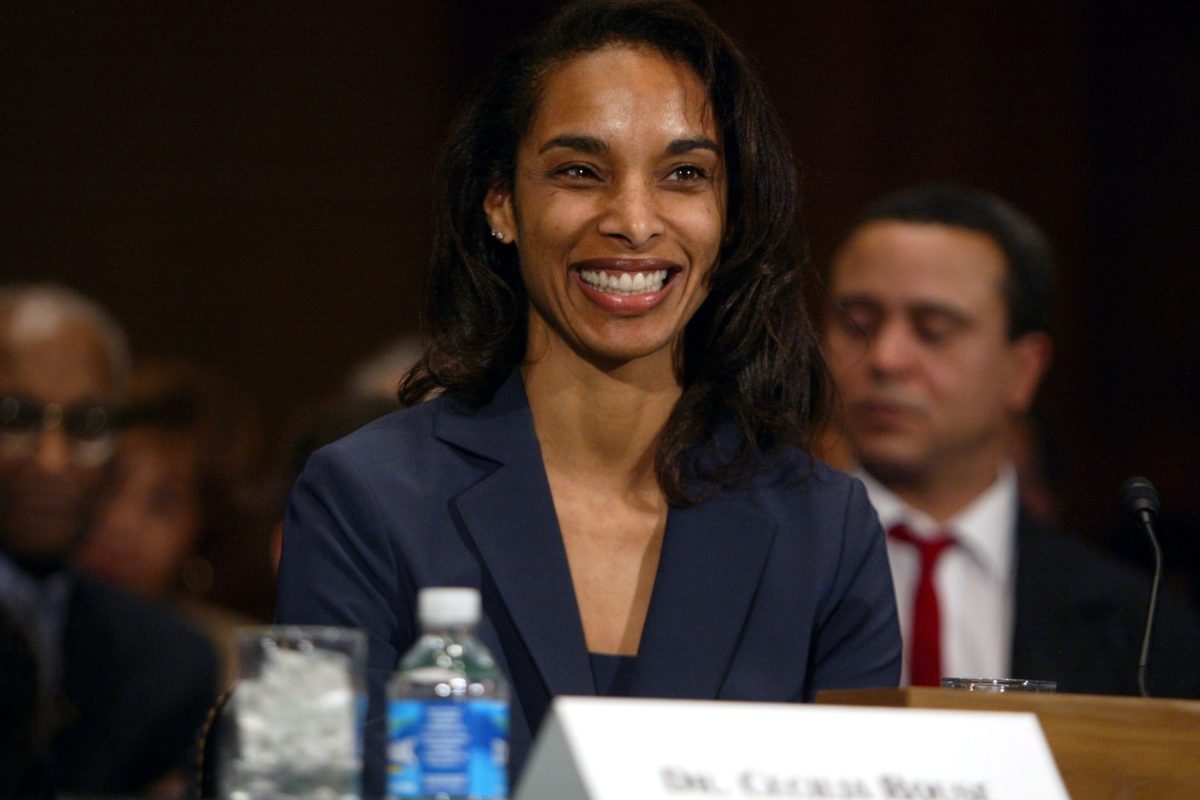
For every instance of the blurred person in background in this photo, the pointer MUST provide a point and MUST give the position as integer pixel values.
(174, 523)
(938, 335)
(379, 374)
(125, 683)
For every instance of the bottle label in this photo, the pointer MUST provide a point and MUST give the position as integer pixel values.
(452, 747)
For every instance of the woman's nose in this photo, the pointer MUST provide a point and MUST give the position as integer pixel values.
(633, 214)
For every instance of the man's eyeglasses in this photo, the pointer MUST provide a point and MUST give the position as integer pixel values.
(89, 428)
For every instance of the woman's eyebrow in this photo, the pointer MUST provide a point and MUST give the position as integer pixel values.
(596, 146)
(681, 146)
(576, 141)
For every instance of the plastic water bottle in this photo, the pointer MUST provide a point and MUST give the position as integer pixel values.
(448, 707)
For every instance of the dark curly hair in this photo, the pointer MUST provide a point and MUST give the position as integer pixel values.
(750, 360)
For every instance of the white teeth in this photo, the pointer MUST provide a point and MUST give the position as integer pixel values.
(625, 282)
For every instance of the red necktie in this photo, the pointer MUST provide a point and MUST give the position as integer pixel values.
(925, 649)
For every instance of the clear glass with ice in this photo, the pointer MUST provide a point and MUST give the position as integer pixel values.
(293, 727)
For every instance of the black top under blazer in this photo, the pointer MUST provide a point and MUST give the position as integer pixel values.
(769, 592)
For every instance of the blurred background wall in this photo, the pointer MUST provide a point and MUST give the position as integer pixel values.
(247, 184)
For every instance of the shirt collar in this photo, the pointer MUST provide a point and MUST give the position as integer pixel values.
(985, 528)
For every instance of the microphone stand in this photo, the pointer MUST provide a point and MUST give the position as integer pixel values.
(1148, 526)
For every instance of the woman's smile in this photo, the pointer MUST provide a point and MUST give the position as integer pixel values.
(626, 286)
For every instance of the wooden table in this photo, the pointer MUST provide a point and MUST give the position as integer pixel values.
(1106, 748)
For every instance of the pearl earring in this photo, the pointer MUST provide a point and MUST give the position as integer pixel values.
(497, 235)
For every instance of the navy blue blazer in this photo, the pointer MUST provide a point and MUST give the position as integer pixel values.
(769, 592)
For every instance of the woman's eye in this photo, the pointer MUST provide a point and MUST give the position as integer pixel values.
(577, 172)
(688, 172)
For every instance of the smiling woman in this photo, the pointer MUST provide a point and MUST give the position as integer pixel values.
(621, 191)
(624, 383)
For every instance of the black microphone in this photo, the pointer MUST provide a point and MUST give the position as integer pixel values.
(1139, 502)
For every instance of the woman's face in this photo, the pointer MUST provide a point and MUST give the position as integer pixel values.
(618, 206)
(148, 521)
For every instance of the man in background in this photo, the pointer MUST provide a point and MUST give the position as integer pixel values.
(938, 335)
(123, 685)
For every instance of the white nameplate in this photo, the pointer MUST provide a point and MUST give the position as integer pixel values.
(595, 748)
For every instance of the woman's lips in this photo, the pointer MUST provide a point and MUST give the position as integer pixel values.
(625, 286)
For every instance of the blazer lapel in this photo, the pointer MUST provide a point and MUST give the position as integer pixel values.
(509, 516)
(713, 557)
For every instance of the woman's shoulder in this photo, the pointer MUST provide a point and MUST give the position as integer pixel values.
(404, 430)
(801, 486)
(407, 451)
(796, 470)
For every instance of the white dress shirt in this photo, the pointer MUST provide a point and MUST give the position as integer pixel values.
(974, 578)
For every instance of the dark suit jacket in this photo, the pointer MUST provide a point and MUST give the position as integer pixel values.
(137, 683)
(18, 703)
(1080, 616)
(770, 592)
